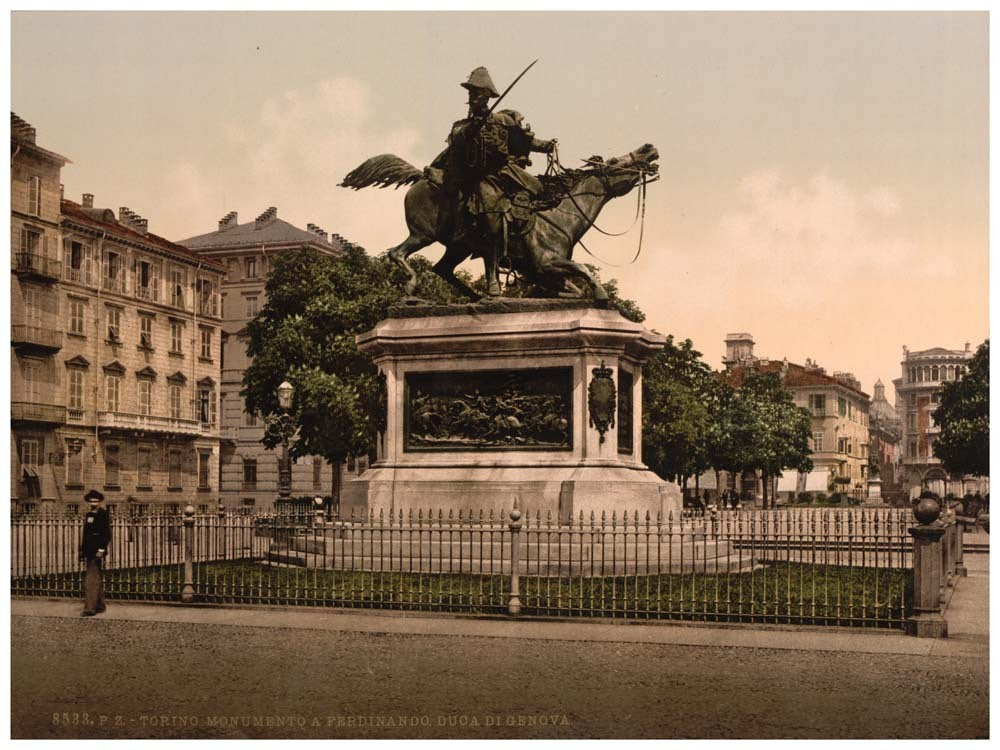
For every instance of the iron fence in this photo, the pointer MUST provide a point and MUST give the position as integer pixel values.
(807, 566)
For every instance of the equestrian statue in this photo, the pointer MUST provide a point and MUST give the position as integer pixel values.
(477, 199)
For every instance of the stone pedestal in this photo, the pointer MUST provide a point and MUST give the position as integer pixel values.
(927, 620)
(488, 403)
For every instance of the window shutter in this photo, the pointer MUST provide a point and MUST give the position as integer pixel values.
(155, 281)
(24, 240)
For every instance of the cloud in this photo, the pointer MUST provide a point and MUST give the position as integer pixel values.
(292, 154)
(819, 233)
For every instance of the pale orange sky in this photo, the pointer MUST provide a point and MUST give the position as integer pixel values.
(825, 176)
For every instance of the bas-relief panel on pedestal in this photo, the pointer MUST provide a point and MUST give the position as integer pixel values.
(491, 410)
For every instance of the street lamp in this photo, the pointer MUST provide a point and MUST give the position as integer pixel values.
(283, 427)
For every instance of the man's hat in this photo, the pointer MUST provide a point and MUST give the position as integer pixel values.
(93, 495)
(480, 79)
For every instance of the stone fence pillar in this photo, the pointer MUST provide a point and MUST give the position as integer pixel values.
(187, 590)
(927, 620)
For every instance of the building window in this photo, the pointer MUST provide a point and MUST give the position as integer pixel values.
(144, 463)
(114, 278)
(934, 373)
(206, 343)
(250, 418)
(174, 468)
(178, 280)
(145, 332)
(31, 371)
(145, 396)
(251, 268)
(30, 452)
(74, 463)
(844, 445)
(112, 391)
(114, 318)
(76, 317)
(147, 280)
(250, 310)
(817, 442)
(204, 463)
(176, 399)
(206, 405)
(176, 337)
(842, 406)
(911, 420)
(208, 299)
(78, 262)
(31, 241)
(249, 473)
(35, 196)
(317, 473)
(112, 465)
(817, 404)
(75, 400)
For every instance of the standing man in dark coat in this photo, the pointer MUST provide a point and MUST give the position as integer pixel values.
(94, 549)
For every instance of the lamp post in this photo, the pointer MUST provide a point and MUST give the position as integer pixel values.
(281, 424)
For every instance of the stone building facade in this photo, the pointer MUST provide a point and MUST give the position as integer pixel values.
(837, 405)
(38, 411)
(885, 433)
(116, 368)
(918, 392)
(249, 472)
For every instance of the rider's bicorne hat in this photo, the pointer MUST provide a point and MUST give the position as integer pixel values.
(480, 79)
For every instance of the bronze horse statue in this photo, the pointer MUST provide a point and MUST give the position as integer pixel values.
(544, 255)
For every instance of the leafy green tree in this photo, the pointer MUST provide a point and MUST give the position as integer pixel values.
(964, 417)
(305, 333)
(761, 429)
(680, 398)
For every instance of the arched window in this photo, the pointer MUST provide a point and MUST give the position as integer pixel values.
(934, 373)
(920, 374)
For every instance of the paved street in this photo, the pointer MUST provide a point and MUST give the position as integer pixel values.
(183, 672)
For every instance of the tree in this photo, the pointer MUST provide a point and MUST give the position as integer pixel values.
(680, 396)
(964, 417)
(305, 333)
(761, 429)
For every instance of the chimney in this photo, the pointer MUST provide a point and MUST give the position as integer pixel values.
(318, 231)
(739, 349)
(848, 378)
(141, 224)
(88, 200)
(228, 221)
(268, 216)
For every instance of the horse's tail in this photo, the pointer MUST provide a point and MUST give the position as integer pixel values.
(382, 170)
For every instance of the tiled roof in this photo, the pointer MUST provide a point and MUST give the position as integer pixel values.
(92, 217)
(797, 376)
(273, 232)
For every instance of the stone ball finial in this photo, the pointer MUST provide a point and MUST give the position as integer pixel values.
(927, 510)
(188, 511)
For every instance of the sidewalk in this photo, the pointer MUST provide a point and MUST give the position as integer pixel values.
(968, 623)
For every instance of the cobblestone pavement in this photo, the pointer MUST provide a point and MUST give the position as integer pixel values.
(84, 678)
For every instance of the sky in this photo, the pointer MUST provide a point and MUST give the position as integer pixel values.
(824, 175)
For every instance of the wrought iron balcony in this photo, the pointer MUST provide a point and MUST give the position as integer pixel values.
(128, 422)
(36, 338)
(30, 411)
(35, 265)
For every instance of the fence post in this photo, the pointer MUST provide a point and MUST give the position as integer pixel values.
(960, 570)
(927, 620)
(514, 605)
(320, 519)
(187, 590)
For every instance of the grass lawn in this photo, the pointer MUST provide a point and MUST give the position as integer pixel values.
(778, 593)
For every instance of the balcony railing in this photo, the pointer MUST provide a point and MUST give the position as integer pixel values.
(79, 275)
(147, 423)
(37, 265)
(30, 411)
(36, 337)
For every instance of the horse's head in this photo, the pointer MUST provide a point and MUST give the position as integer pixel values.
(623, 173)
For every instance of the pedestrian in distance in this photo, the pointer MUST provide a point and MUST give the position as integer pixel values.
(94, 550)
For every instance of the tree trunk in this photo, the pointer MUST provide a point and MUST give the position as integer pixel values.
(763, 482)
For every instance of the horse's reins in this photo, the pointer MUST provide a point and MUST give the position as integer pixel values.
(640, 206)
